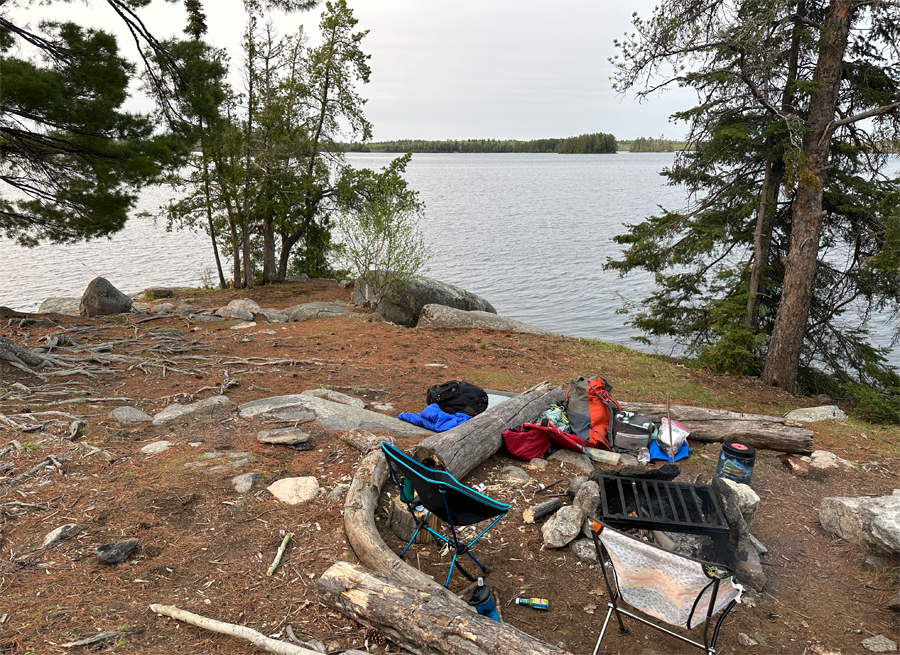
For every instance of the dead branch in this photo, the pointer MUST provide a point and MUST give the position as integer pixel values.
(257, 639)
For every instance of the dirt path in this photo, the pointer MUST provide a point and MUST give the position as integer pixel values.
(205, 547)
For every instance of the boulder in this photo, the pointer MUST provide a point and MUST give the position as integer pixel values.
(405, 307)
(515, 476)
(274, 315)
(747, 499)
(234, 312)
(101, 298)
(822, 459)
(586, 551)
(875, 521)
(331, 416)
(294, 491)
(562, 527)
(310, 310)
(116, 553)
(59, 306)
(289, 436)
(441, 316)
(579, 460)
(813, 414)
(177, 410)
(747, 566)
(158, 292)
(247, 304)
(126, 415)
(880, 644)
(335, 397)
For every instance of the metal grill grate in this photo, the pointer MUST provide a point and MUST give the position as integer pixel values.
(660, 505)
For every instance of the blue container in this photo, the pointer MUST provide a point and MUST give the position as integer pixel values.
(481, 600)
(736, 462)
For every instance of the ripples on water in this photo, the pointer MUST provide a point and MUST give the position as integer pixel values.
(530, 233)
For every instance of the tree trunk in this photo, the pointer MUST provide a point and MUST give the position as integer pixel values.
(717, 425)
(420, 622)
(783, 357)
(762, 236)
(461, 449)
(270, 272)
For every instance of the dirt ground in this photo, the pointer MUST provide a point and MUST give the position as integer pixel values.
(205, 547)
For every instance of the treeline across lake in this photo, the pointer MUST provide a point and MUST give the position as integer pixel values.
(585, 144)
(651, 145)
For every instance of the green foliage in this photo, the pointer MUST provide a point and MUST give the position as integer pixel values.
(379, 229)
(752, 73)
(877, 405)
(584, 144)
(72, 160)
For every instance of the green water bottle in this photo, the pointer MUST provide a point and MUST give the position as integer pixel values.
(536, 603)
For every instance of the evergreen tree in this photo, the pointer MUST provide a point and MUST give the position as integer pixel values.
(792, 221)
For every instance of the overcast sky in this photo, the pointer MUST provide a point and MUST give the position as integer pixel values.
(465, 69)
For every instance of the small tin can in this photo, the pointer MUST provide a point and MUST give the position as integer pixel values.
(736, 462)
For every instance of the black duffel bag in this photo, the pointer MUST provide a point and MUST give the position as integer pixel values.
(458, 396)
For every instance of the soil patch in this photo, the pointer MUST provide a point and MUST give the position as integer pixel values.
(205, 548)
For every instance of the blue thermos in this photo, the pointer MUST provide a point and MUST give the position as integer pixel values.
(481, 600)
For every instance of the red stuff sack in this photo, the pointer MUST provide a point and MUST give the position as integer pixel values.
(532, 440)
(592, 411)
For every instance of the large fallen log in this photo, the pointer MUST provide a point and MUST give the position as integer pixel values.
(363, 536)
(421, 622)
(463, 448)
(717, 425)
(372, 472)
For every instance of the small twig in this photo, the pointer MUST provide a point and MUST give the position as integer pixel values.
(280, 553)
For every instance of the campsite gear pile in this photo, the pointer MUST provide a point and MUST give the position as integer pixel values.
(591, 418)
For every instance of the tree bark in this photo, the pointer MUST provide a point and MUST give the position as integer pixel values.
(418, 621)
(717, 425)
(783, 357)
(463, 448)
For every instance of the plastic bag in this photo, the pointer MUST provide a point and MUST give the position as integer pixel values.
(671, 440)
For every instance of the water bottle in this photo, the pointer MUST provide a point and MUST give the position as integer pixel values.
(643, 456)
(536, 603)
(481, 599)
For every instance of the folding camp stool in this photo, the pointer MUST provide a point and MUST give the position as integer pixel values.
(445, 497)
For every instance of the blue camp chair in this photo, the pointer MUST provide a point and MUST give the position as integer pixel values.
(442, 495)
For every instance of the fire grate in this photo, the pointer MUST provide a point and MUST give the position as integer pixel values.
(662, 505)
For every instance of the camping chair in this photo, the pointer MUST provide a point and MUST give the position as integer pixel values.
(664, 585)
(442, 495)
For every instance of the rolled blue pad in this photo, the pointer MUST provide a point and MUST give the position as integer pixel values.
(657, 453)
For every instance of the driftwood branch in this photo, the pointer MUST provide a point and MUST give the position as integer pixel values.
(257, 639)
(717, 425)
(421, 622)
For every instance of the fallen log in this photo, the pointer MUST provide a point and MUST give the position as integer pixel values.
(717, 425)
(418, 621)
(372, 472)
(363, 536)
(463, 448)
(532, 514)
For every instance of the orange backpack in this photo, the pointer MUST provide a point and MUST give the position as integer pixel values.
(592, 411)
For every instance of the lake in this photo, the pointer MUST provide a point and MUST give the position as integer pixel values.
(528, 232)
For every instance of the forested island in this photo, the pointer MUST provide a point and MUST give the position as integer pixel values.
(585, 144)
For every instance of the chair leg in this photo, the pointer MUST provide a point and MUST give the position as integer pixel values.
(605, 624)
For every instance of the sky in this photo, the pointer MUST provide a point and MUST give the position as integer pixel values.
(458, 69)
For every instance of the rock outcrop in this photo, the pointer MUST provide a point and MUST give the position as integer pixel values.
(405, 307)
(441, 316)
